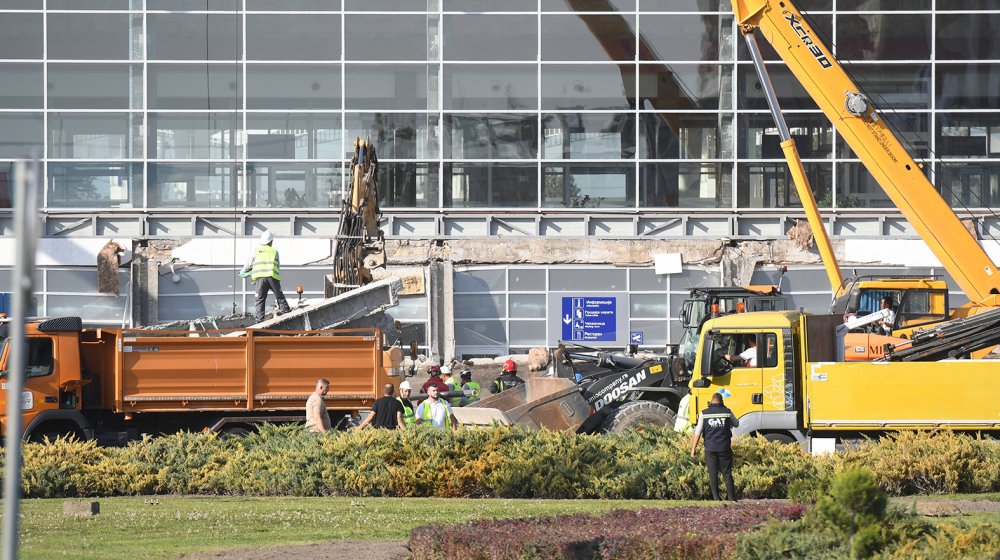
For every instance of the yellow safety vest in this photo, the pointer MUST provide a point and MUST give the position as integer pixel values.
(476, 391)
(409, 417)
(265, 263)
(428, 416)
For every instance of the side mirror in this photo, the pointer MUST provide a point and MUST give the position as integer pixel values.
(632, 349)
(701, 383)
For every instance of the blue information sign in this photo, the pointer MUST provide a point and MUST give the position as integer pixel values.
(589, 319)
(636, 337)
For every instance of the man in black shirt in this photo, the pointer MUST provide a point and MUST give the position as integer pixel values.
(716, 424)
(387, 412)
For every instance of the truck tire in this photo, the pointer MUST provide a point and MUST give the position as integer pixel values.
(637, 414)
(779, 437)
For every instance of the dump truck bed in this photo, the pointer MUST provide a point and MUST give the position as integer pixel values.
(963, 394)
(550, 402)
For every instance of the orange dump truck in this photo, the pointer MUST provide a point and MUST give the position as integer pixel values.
(116, 385)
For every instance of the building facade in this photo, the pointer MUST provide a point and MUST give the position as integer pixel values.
(570, 128)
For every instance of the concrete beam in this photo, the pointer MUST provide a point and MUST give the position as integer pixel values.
(341, 310)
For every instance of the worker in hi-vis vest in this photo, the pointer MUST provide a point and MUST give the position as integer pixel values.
(264, 270)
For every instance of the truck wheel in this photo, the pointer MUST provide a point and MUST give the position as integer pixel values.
(780, 438)
(639, 413)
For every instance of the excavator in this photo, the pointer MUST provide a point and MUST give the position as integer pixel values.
(921, 302)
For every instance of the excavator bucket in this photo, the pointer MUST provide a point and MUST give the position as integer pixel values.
(553, 403)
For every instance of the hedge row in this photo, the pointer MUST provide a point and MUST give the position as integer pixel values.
(685, 532)
(496, 462)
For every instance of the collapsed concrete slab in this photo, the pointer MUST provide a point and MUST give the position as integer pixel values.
(361, 307)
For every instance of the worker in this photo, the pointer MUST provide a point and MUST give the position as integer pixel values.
(890, 318)
(469, 385)
(317, 418)
(387, 412)
(508, 378)
(435, 380)
(747, 357)
(449, 379)
(716, 423)
(409, 419)
(436, 410)
(264, 270)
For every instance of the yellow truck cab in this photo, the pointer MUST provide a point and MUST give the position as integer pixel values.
(796, 389)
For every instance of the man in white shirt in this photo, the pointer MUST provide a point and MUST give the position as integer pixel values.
(747, 357)
(437, 411)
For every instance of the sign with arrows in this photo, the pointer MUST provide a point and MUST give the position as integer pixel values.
(589, 319)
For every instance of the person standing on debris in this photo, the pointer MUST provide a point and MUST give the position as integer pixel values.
(716, 423)
(409, 417)
(317, 418)
(508, 379)
(387, 412)
(264, 270)
(436, 410)
(469, 385)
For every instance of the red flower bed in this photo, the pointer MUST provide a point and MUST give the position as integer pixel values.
(684, 532)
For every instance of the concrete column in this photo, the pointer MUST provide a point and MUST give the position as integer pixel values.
(441, 331)
(145, 292)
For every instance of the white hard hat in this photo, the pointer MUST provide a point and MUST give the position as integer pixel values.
(266, 237)
(405, 385)
(445, 370)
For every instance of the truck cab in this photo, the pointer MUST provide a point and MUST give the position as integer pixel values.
(918, 301)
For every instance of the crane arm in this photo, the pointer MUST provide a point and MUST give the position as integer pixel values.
(857, 121)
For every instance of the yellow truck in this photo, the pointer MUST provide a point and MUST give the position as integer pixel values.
(797, 388)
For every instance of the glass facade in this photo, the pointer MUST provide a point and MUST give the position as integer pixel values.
(522, 104)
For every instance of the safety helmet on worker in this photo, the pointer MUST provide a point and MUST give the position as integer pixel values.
(405, 386)
(509, 367)
(434, 370)
(466, 374)
(446, 370)
(267, 237)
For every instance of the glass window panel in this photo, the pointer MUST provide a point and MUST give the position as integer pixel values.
(395, 135)
(685, 86)
(77, 280)
(586, 279)
(883, 36)
(191, 185)
(90, 36)
(797, 279)
(653, 332)
(293, 86)
(89, 5)
(21, 86)
(294, 136)
(968, 86)
(526, 279)
(493, 136)
(294, 185)
(293, 37)
(588, 186)
(408, 185)
(685, 136)
(967, 37)
(588, 37)
(971, 5)
(883, 5)
(21, 36)
(193, 5)
(491, 37)
(88, 308)
(21, 134)
(95, 135)
(812, 303)
(758, 136)
(194, 281)
(194, 86)
(822, 25)
(481, 333)
(192, 136)
(687, 5)
(526, 306)
(490, 87)
(489, 185)
(968, 135)
(693, 277)
(896, 86)
(292, 6)
(593, 86)
(589, 136)
(311, 279)
(389, 86)
(790, 92)
(410, 308)
(970, 185)
(486, 5)
(528, 333)
(387, 37)
(769, 185)
(193, 36)
(647, 280)
(653, 306)
(95, 185)
(856, 188)
(589, 6)
(95, 86)
(385, 5)
(912, 129)
(705, 37)
(184, 308)
(6, 196)
(26, 4)
(475, 306)
(686, 185)
(480, 280)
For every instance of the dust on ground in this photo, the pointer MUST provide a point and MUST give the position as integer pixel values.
(340, 550)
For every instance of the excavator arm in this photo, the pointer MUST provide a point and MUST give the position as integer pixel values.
(866, 132)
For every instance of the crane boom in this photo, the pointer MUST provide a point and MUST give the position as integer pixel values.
(867, 133)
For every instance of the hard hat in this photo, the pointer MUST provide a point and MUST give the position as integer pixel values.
(445, 370)
(405, 385)
(509, 367)
(434, 370)
(266, 237)
(466, 374)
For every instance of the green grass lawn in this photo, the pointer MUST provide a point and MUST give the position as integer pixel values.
(142, 528)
